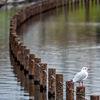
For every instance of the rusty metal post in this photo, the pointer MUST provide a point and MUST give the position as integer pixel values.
(31, 65)
(59, 86)
(94, 97)
(69, 90)
(51, 82)
(43, 76)
(80, 93)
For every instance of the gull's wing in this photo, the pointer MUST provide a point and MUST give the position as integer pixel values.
(79, 77)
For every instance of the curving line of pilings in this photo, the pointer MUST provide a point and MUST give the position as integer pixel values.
(32, 65)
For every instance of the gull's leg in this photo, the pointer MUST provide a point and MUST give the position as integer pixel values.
(82, 84)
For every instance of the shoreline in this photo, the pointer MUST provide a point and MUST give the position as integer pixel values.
(16, 3)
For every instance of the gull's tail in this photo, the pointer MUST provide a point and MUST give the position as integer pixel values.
(71, 81)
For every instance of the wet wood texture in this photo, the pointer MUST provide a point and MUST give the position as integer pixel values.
(94, 97)
(80, 93)
(43, 76)
(26, 60)
(31, 65)
(51, 81)
(22, 56)
(69, 90)
(59, 86)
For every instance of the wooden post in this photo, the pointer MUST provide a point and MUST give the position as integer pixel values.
(59, 86)
(94, 97)
(22, 57)
(16, 48)
(31, 65)
(19, 51)
(37, 60)
(80, 93)
(14, 43)
(69, 90)
(13, 35)
(51, 81)
(31, 88)
(43, 76)
(37, 71)
(31, 69)
(26, 55)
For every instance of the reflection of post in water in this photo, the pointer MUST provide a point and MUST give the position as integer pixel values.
(87, 10)
(76, 6)
(87, 13)
(96, 2)
(99, 1)
(82, 3)
(17, 71)
(39, 95)
(26, 84)
(98, 36)
(72, 6)
(31, 89)
(92, 2)
(52, 98)
(98, 31)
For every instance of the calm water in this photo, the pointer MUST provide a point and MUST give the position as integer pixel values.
(66, 38)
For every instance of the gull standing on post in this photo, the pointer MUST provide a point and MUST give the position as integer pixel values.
(81, 76)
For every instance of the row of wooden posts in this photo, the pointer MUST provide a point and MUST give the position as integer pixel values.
(32, 65)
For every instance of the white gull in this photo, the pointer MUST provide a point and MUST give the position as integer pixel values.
(81, 76)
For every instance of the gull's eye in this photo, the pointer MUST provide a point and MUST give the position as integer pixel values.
(84, 69)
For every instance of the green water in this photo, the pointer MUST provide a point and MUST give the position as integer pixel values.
(5, 17)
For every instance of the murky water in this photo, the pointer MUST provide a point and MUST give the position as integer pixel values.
(67, 39)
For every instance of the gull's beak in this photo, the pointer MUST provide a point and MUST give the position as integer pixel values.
(88, 70)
